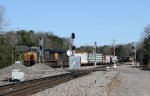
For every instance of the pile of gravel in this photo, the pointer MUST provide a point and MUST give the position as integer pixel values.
(8, 70)
(34, 72)
(42, 67)
(43, 70)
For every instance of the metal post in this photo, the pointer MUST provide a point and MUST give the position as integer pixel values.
(93, 58)
(41, 55)
(72, 46)
(95, 53)
(43, 49)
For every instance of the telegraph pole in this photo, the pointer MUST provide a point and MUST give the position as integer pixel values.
(114, 59)
(41, 54)
(134, 51)
(114, 47)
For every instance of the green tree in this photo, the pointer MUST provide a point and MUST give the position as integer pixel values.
(107, 50)
(25, 38)
(10, 40)
(86, 48)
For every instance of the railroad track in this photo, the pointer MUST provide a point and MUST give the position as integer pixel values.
(99, 68)
(27, 88)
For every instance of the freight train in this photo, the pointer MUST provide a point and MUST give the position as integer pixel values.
(56, 58)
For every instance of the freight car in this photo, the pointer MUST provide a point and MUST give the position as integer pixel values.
(92, 57)
(84, 57)
(53, 58)
(89, 58)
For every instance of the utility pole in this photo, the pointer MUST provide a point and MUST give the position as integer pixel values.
(114, 47)
(41, 51)
(114, 58)
(134, 51)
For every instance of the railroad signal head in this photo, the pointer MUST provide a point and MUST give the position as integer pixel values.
(73, 47)
(73, 36)
(111, 49)
(40, 38)
(133, 47)
(116, 49)
(41, 47)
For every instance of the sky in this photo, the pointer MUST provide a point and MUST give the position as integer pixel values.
(91, 20)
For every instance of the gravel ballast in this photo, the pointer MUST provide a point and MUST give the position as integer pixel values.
(94, 84)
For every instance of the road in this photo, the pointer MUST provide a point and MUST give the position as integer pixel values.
(135, 82)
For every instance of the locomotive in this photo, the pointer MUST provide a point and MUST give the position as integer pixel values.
(53, 58)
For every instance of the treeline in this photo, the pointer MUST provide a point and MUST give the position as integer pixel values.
(139, 50)
(10, 40)
(120, 49)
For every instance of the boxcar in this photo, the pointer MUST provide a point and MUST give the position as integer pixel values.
(84, 57)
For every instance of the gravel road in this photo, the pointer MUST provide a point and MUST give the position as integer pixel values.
(135, 82)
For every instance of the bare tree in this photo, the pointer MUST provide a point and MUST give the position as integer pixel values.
(12, 38)
(146, 32)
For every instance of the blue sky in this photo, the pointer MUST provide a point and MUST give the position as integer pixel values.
(91, 20)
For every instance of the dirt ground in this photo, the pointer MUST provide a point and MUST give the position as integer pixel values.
(135, 82)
